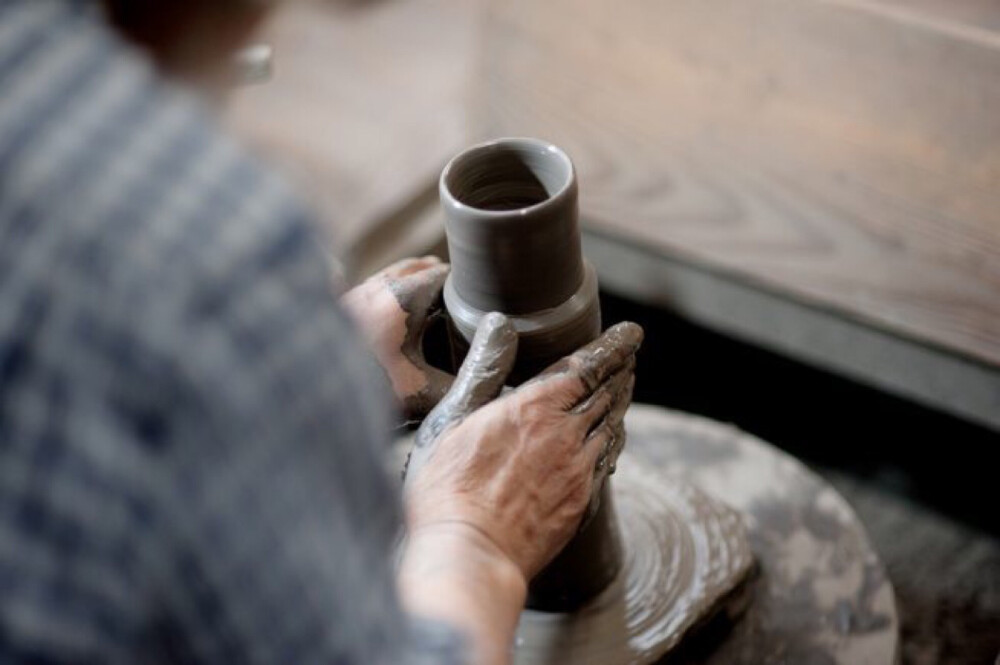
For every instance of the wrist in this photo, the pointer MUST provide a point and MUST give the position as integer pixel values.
(453, 572)
(465, 550)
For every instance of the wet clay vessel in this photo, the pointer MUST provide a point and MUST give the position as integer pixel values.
(514, 244)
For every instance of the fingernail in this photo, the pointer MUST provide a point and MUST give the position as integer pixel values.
(628, 332)
(495, 328)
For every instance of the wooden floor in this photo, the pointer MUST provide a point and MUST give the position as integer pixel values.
(821, 177)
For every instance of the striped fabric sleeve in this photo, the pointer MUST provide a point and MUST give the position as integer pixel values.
(278, 514)
(190, 435)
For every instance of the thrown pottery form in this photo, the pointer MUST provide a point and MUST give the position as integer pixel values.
(644, 578)
(514, 245)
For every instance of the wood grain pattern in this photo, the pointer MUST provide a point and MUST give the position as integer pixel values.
(845, 157)
(367, 104)
(981, 14)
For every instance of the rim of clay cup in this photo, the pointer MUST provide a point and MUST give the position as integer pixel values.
(530, 143)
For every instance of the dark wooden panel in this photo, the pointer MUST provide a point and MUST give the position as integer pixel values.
(833, 151)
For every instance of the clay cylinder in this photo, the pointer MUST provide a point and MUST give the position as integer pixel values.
(514, 244)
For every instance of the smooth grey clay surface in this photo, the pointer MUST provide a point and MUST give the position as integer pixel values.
(514, 244)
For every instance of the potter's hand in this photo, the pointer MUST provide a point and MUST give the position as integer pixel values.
(392, 308)
(520, 470)
(496, 486)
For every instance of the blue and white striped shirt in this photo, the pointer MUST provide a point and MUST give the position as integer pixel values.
(189, 439)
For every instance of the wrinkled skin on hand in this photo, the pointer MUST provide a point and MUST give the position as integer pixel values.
(393, 308)
(521, 468)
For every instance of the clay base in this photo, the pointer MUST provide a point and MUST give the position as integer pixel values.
(685, 553)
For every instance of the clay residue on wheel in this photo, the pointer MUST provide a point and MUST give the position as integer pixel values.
(684, 554)
(821, 595)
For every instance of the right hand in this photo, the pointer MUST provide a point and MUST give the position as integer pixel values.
(520, 470)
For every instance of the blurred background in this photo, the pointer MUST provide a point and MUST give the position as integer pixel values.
(799, 200)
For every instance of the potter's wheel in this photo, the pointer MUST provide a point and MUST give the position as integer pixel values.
(819, 594)
(683, 552)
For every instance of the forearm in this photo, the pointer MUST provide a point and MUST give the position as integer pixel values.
(453, 573)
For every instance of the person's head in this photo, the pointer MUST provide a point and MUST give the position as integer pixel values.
(193, 40)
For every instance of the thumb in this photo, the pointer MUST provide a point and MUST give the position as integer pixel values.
(486, 367)
(481, 378)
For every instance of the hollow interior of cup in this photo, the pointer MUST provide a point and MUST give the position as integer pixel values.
(508, 176)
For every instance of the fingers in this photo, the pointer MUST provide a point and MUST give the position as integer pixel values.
(418, 290)
(607, 436)
(437, 382)
(605, 441)
(598, 447)
(617, 416)
(416, 282)
(410, 266)
(432, 278)
(606, 398)
(593, 364)
(480, 379)
(600, 458)
(486, 367)
(418, 294)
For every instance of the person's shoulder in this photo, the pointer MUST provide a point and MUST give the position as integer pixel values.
(125, 202)
(113, 175)
(187, 205)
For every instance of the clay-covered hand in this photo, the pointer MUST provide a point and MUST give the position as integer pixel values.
(519, 470)
(393, 309)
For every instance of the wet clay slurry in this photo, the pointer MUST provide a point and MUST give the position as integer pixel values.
(514, 245)
(685, 554)
(624, 590)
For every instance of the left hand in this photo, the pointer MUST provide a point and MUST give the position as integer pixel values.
(392, 309)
